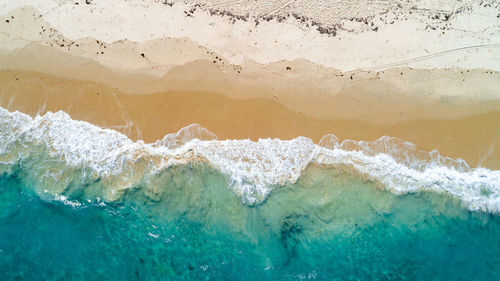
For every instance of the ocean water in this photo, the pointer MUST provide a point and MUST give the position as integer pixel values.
(78, 202)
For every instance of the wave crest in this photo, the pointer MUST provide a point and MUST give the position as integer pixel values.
(60, 154)
(401, 151)
(185, 135)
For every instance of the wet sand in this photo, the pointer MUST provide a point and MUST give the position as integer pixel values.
(474, 138)
(386, 96)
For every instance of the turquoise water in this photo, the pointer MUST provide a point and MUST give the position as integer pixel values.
(329, 225)
(78, 202)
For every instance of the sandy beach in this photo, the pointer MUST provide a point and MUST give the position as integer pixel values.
(149, 85)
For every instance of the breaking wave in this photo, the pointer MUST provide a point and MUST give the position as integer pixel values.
(59, 155)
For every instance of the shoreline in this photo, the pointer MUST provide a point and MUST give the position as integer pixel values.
(255, 169)
(147, 85)
(150, 117)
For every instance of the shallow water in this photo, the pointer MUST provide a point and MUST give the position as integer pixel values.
(326, 226)
(81, 203)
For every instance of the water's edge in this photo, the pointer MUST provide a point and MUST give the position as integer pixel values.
(57, 155)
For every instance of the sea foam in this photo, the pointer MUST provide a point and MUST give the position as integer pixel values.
(87, 153)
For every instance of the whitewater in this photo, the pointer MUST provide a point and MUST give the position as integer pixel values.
(70, 152)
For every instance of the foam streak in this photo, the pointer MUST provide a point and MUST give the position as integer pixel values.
(89, 153)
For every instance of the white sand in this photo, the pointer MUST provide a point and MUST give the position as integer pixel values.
(470, 38)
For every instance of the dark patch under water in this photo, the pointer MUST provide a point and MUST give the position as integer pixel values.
(326, 226)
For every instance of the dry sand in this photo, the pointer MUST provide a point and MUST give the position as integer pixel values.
(370, 34)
